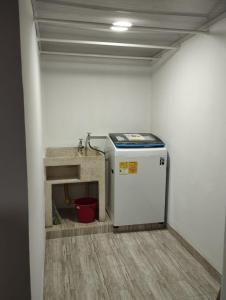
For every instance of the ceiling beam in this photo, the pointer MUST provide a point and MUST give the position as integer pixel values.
(131, 11)
(101, 43)
(98, 55)
(34, 11)
(106, 26)
(212, 21)
(205, 26)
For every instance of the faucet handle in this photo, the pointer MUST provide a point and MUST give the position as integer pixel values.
(80, 145)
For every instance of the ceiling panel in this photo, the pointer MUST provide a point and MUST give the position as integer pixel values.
(105, 50)
(92, 33)
(62, 12)
(172, 6)
(90, 20)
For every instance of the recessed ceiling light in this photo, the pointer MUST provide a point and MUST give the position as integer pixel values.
(122, 24)
(119, 29)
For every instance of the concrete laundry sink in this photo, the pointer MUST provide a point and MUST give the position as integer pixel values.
(67, 165)
(69, 153)
(63, 152)
(90, 152)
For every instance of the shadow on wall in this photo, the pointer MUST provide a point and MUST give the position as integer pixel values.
(165, 57)
(94, 67)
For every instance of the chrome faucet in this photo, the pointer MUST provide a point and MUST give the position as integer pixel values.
(80, 146)
(87, 142)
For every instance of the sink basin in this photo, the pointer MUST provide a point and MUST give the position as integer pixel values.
(70, 153)
(63, 152)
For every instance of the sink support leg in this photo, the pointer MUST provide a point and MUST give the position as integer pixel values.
(48, 205)
(101, 187)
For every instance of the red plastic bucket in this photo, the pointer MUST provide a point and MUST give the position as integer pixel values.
(86, 209)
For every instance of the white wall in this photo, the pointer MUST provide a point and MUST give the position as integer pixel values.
(33, 123)
(188, 112)
(83, 96)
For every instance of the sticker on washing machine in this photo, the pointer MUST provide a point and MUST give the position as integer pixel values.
(132, 167)
(127, 167)
(123, 168)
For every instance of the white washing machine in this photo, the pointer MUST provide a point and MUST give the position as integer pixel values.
(136, 178)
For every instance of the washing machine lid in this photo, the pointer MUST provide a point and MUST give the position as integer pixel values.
(136, 140)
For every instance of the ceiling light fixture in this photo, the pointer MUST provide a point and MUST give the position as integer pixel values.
(121, 26)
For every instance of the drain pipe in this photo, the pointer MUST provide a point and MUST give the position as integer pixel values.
(67, 199)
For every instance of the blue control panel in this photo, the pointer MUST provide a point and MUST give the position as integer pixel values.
(136, 140)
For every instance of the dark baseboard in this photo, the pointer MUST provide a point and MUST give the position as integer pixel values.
(141, 227)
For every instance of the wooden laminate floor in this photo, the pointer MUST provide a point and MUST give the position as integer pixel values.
(141, 265)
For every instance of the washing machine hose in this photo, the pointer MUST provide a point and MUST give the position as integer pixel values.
(93, 148)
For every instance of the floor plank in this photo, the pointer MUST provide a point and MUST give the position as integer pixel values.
(139, 265)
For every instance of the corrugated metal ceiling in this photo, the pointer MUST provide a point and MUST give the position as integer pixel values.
(82, 26)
